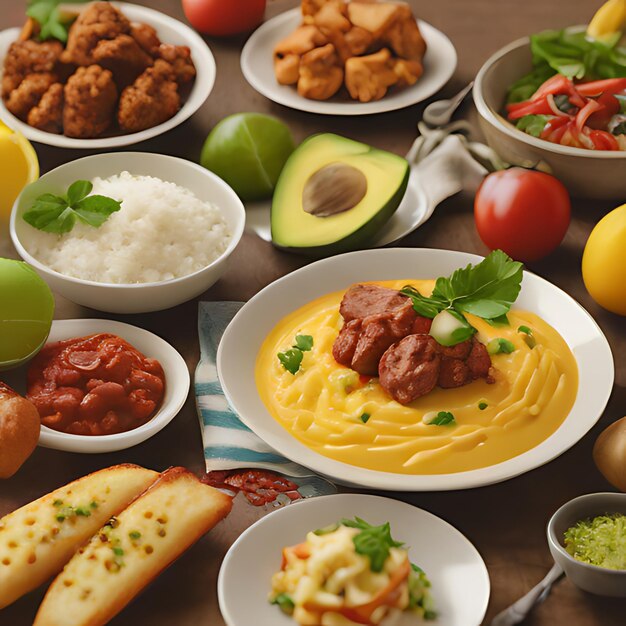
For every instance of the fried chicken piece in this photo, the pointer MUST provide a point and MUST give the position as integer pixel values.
(377, 17)
(405, 39)
(288, 51)
(90, 97)
(28, 57)
(309, 8)
(407, 72)
(179, 57)
(48, 114)
(320, 74)
(146, 37)
(100, 20)
(29, 93)
(368, 77)
(124, 57)
(348, 40)
(152, 99)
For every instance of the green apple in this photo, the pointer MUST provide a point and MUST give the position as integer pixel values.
(26, 310)
(248, 151)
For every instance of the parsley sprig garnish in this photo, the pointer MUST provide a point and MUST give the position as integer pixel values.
(486, 290)
(58, 214)
(292, 359)
(373, 541)
(54, 23)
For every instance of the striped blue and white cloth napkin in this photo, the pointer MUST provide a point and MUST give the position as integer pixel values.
(228, 442)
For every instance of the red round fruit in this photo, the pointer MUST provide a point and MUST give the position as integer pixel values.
(523, 212)
(222, 18)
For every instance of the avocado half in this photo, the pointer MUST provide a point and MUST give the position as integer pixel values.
(296, 230)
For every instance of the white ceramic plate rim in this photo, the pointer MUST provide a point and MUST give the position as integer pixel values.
(205, 79)
(497, 120)
(177, 382)
(235, 236)
(236, 368)
(282, 24)
(296, 516)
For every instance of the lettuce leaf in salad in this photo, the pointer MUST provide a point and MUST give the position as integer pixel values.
(572, 54)
(533, 124)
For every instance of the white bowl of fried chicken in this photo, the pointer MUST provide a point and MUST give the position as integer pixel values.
(126, 73)
(348, 57)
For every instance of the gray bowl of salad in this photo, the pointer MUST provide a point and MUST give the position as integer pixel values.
(557, 100)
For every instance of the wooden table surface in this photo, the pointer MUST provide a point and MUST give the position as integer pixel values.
(506, 522)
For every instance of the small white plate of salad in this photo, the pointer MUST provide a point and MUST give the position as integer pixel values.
(353, 559)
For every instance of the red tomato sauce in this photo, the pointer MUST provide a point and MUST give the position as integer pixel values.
(96, 385)
(258, 486)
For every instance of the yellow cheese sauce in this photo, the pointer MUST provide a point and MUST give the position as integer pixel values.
(322, 404)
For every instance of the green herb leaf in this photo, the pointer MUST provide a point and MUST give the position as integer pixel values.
(443, 418)
(53, 22)
(482, 406)
(533, 124)
(134, 535)
(499, 345)
(56, 214)
(284, 601)
(82, 511)
(291, 359)
(486, 290)
(373, 541)
(304, 342)
(364, 417)
(78, 190)
(117, 551)
(93, 504)
(426, 307)
(326, 530)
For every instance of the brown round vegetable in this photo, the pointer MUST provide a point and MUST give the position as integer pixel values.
(609, 453)
(19, 430)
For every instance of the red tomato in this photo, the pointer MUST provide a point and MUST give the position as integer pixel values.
(224, 17)
(523, 212)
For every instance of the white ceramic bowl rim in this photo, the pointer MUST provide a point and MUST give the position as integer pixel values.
(235, 236)
(205, 79)
(494, 118)
(556, 543)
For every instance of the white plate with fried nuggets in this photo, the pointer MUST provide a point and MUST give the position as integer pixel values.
(258, 58)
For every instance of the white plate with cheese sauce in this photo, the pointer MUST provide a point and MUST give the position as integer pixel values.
(586, 347)
(459, 580)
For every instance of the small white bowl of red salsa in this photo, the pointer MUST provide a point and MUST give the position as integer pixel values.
(102, 385)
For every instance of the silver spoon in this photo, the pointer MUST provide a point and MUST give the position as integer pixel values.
(520, 609)
(440, 113)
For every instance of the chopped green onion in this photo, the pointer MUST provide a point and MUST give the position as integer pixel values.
(364, 417)
(482, 406)
(284, 601)
(134, 535)
(500, 345)
(442, 418)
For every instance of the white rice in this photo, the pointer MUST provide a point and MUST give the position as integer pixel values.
(163, 231)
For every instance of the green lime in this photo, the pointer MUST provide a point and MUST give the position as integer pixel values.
(26, 310)
(248, 151)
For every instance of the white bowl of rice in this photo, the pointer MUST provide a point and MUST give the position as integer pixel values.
(169, 242)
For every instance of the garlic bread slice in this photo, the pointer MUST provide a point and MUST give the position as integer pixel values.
(132, 549)
(37, 540)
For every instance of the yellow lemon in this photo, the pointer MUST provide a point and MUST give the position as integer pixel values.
(604, 262)
(609, 19)
(18, 167)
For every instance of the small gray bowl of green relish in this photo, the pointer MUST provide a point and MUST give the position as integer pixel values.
(587, 538)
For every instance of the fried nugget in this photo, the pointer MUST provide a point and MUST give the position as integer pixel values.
(29, 93)
(405, 39)
(28, 57)
(124, 57)
(288, 51)
(48, 114)
(146, 37)
(407, 72)
(179, 57)
(369, 77)
(152, 99)
(320, 73)
(98, 21)
(90, 98)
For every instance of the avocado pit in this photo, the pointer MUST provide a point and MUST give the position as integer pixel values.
(333, 189)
